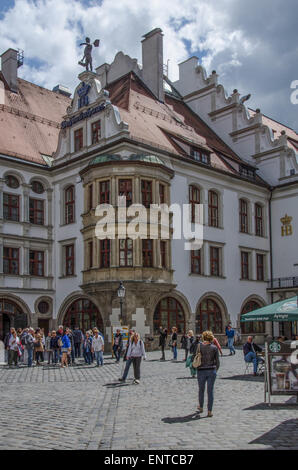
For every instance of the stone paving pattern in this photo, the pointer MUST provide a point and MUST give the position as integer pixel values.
(84, 407)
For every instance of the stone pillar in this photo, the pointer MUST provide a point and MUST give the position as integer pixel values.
(2, 181)
(50, 208)
(26, 191)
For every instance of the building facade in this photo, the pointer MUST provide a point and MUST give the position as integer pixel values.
(128, 131)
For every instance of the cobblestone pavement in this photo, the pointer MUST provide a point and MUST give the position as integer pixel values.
(86, 408)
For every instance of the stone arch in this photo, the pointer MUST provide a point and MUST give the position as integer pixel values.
(42, 179)
(251, 298)
(21, 305)
(17, 174)
(179, 297)
(73, 298)
(221, 304)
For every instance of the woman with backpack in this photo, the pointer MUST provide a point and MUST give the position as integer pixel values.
(206, 361)
(135, 352)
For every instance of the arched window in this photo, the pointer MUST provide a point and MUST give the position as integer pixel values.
(213, 210)
(194, 198)
(12, 181)
(209, 317)
(169, 313)
(254, 327)
(84, 314)
(69, 205)
(37, 187)
(11, 315)
(243, 216)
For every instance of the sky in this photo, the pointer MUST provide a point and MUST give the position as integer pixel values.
(252, 45)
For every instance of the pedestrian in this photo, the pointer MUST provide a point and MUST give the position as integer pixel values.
(189, 340)
(71, 356)
(183, 343)
(87, 345)
(127, 361)
(98, 348)
(230, 333)
(215, 341)
(6, 341)
(163, 333)
(118, 345)
(38, 347)
(13, 350)
(136, 351)
(250, 350)
(207, 369)
(54, 348)
(77, 339)
(173, 343)
(29, 345)
(48, 347)
(65, 348)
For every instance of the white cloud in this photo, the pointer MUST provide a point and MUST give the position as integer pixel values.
(245, 41)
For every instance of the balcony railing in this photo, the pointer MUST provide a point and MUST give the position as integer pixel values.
(283, 282)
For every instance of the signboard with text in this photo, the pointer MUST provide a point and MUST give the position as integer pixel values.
(283, 367)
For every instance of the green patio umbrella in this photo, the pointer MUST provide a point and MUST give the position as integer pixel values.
(286, 310)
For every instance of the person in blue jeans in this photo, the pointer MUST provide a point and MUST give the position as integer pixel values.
(87, 345)
(206, 372)
(174, 342)
(98, 347)
(128, 362)
(230, 333)
(250, 350)
(118, 345)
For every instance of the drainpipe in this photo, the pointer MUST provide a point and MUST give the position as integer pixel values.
(271, 253)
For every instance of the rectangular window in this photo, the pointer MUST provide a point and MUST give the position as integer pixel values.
(104, 253)
(244, 265)
(259, 220)
(78, 140)
(104, 192)
(214, 262)
(90, 253)
(195, 257)
(213, 209)
(194, 198)
(36, 263)
(96, 132)
(243, 216)
(200, 156)
(90, 197)
(125, 190)
(69, 205)
(10, 260)
(36, 211)
(163, 254)
(260, 268)
(147, 251)
(125, 252)
(69, 260)
(162, 198)
(146, 189)
(11, 204)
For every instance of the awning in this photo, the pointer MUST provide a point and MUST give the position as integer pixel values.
(286, 310)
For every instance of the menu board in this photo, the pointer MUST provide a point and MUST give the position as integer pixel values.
(283, 367)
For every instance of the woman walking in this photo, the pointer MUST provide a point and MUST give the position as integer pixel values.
(174, 343)
(38, 348)
(136, 351)
(207, 370)
(65, 348)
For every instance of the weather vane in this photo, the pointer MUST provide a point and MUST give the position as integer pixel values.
(87, 59)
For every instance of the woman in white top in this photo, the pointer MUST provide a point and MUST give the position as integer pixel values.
(135, 352)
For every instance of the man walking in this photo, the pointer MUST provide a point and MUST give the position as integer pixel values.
(162, 341)
(77, 339)
(118, 344)
(98, 348)
(29, 345)
(230, 333)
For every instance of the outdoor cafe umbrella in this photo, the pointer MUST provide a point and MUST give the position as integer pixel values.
(286, 310)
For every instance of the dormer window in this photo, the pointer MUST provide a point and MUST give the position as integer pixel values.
(78, 140)
(200, 155)
(247, 172)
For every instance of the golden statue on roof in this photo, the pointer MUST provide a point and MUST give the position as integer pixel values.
(87, 58)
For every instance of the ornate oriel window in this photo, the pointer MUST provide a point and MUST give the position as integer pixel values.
(125, 252)
(36, 263)
(213, 209)
(104, 253)
(209, 317)
(169, 313)
(254, 326)
(243, 216)
(11, 207)
(36, 211)
(69, 205)
(11, 260)
(259, 220)
(162, 194)
(84, 314)
(194, 198)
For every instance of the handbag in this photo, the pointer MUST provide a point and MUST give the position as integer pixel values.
(197, 359)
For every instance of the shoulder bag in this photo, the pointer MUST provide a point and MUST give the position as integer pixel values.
(198, 358)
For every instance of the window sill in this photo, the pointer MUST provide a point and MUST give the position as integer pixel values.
(67, 277)
(66, 225)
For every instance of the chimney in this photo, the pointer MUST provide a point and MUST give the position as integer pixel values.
(9, 68)
(152, 58)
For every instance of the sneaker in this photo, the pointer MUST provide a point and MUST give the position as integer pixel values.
(121, 379)
(136, 381)
(199, 409)
(210, 414)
